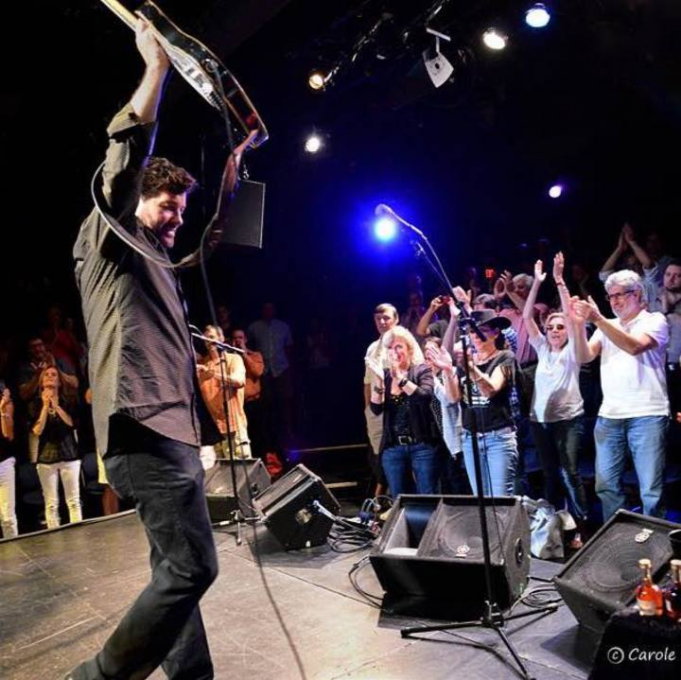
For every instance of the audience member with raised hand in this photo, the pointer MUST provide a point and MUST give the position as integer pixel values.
(628, 253)
(57, 454)
(8, 516)
(517, 288)
(492, 372)
(428, 324)
(557, 408)
(634, 414)
(444, 381)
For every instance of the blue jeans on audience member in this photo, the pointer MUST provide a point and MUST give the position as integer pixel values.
(498, 459)
(558, 445)
(163, 627)
(645, 437)
(420, 458)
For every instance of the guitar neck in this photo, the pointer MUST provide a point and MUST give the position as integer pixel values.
(122, 12)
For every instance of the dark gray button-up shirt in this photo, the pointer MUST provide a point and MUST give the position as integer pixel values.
(141, 359)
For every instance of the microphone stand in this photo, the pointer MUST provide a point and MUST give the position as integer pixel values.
(236, 516)
(492, 617)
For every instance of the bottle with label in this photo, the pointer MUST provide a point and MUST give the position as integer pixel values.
(672, 594)
(648, 595)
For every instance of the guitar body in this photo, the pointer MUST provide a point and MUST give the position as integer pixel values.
(201, 68)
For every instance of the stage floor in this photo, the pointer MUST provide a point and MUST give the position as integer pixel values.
(62, 592)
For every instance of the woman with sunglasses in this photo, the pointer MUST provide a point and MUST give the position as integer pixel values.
(556, 413)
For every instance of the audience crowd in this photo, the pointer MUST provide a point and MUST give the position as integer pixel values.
(550, 359)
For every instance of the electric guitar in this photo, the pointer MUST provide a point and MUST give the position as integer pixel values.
(200, 68)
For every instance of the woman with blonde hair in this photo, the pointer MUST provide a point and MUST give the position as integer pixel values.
(57, 454)
(402, 394)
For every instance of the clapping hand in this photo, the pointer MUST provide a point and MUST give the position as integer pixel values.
(558, 268)
(585, 310)
(539, 273)
(439, 357)
(503, 285)
(395, 371)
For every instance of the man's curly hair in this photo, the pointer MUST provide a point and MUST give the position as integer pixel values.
(161, 175)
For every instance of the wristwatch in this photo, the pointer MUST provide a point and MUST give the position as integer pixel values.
(402, 383)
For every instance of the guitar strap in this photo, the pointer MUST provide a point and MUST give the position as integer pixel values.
(142, 248)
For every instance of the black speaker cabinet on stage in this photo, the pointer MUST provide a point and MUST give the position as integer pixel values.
(251, 479)
(430, 548)
(288, 511)
(602, 577)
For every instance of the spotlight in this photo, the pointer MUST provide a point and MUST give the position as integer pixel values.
(438, 66)
(313, 143)
(316, 80)
(385, 228)
(537, 16)
(495, 39)
(556, 191)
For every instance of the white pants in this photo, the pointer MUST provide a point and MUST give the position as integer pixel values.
(8, 517)
(374, 429)
(69, 471)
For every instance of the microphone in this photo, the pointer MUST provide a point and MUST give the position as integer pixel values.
(383, 210)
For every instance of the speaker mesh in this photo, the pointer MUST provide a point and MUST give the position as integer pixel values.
(610, 566)
(454, 532)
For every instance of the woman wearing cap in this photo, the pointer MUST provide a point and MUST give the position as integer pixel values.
(557, 407)
(402, 394)
(491, 370)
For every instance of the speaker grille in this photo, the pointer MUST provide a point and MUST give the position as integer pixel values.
(602, 577)
(610, 566)
(454, 532)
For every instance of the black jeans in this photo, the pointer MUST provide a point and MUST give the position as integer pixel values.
(164, 626)
(559, 445)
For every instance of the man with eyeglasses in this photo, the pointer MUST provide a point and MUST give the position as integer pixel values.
(634, 414)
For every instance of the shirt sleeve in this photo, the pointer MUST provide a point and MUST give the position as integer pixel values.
(130, 144)
(538, 342)
(656, 327)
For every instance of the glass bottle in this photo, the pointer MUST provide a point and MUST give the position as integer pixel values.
(672, 593)
(648, 595)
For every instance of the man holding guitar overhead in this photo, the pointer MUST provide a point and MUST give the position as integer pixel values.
(146, 401)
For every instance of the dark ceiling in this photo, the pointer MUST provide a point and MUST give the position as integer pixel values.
(594, 99)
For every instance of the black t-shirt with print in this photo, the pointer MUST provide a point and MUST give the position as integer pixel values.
(490, 413)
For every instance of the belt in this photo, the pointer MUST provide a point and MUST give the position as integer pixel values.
(405, 439)
(502, 430)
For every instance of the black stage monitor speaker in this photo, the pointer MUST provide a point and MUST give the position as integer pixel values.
(602, 577)
(287, 508)
(251, 479)
(431, 548)
(246, 215)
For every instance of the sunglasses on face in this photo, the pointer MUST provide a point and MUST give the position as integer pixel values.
(556, 327)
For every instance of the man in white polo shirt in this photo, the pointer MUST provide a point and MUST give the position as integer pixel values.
(634, 414)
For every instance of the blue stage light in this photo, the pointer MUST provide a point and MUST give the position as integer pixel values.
(385, 228)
